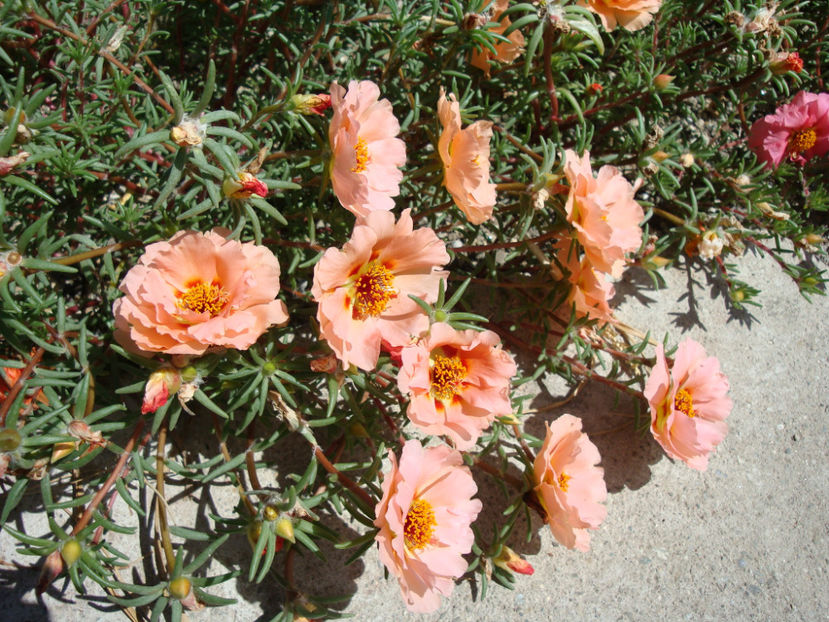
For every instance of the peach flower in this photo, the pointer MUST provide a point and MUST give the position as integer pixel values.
(629, 14)
(603, 212)
(505, 52)
(198, 290)
(457, 382)
(590, 290)
(465, 157)
(363, 290)
(569, 485)
(688, 404)
(798, 130)
(424, 522)
(365, 153)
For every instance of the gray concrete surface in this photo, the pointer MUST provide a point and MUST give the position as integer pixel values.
(746, 540)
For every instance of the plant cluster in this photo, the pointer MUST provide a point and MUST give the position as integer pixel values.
(349, 231)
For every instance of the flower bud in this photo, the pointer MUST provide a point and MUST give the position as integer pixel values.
(510, 560)
(595, 89)
(686, 160)
(9, 439)
(71, 551)
(324, 364)
(270, 513)
(660, 156)
(180, 588)
(61, 450)
(662, 81)
(253, 532)
(243, 187)
(52, 567)
(285, 529)
(784, 62)
(7, 164)
(311, 104)
(163, 382)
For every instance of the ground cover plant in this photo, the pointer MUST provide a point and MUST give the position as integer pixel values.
(354, 233)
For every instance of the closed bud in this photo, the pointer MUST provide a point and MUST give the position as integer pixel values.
(662, 81)
(784, 62)
(81, 430)
(71, 551)
(180, 588)
(510, 560)
(686, 160)
(270, 513)
(162, 383)
(244, 186)
(52, 567)
(660, 156)
(311, 104)
(253, 532)
(9, 439)
(10, 162)
(813, 238)
(285, 529)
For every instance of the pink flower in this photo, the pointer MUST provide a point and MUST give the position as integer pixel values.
(590, 290)
(569, 484)
(629, 14)
(198, 290)
(363, 290)
(603, 212)
(799, 130)
(162, 383)
(688, 404)
(457, 382)
(366, 154)
(505, 52)
(424, 519)
(465, 157)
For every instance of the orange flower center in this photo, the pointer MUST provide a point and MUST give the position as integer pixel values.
(201, 297)
(562, 482)
(373, 290)
(802, 140)
(684, 403)
(361, 154)
(419, 526)
(447, 374)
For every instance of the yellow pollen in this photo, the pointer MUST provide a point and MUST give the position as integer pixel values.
(201, 297)
(419, 526)
(684, 403)
(361, 154)
(562, 482)
(476, 160)
(373, 290)
(447, 375)
(802, 140)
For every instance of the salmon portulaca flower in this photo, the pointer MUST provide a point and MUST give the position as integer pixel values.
(629, 14)
(590, 290)
(798, 130)
(424, 522)
(603, 213)
(198, 290)
(363, 290)
(688, 404)
(457, 382)
(505, 51)
(569, 485)
(365, 171)
(465, 157)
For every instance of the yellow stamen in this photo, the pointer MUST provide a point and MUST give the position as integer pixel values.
(562, 482)
(361, 154)
(201, 297)
(447, 375)
(684, 403)
(373, 290)
(802, 140)
(420, 524)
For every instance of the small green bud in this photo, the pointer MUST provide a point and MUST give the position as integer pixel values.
(285, 529)
(9, 439)
(269, 367)
(71, 551)
(440, 315)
